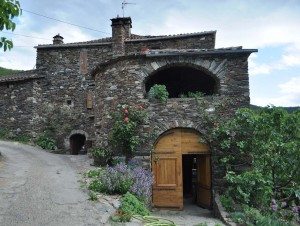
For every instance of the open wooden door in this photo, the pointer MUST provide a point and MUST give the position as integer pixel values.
(204, 194)
(166, 168)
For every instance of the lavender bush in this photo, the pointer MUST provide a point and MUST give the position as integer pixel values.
(123, 178)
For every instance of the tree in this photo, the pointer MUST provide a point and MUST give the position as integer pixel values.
(8, 10)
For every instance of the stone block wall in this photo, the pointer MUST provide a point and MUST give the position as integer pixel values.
(205, 41)
(17, 103)
(68, 84)
(123, 81)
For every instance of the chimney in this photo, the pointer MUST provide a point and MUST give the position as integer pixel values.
(57, 39)
(121, 30)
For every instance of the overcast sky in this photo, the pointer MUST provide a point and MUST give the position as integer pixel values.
(271, 26)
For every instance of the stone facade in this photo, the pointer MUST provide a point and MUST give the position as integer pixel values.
(86, 80)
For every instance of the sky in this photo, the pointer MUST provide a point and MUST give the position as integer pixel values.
(271, 26)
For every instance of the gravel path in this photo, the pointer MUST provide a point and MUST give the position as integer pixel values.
(38, 188)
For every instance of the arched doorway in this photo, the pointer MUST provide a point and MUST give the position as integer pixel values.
(182, 80)
(181, 166)
(77, 141)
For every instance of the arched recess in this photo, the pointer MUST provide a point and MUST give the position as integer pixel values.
(77, 142)
(183, 78)
(181, 166)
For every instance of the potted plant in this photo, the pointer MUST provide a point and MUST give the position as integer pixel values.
(100, 155)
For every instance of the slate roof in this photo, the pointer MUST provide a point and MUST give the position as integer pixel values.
(21, 76)
(164, 52)
(134, 37)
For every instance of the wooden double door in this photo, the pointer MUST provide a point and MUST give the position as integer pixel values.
(167, 168)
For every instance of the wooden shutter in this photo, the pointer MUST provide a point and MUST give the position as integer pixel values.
(89, 100)
(83, 62)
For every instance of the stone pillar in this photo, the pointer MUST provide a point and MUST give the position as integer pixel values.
(121, 30)
(57, 39)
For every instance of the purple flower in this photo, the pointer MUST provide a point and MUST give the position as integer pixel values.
(283, 204)
(295, 209)
(274, 207)
(122, 178)
(273, 201)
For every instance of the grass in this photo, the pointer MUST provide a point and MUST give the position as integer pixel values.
(6, 71)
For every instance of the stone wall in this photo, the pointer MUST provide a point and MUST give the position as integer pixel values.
(16, 105)
(68, 80)
(68, 85)
(123, 82)
(205, 41)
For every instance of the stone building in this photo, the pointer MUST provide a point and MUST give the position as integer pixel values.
(76, 85)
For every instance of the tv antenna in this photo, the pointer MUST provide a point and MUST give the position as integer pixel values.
(124, 3)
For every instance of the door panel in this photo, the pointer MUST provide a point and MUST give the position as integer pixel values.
(204, 194)
(167, 190)
(166, 172)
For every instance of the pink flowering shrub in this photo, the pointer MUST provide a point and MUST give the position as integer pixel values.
(127, 120)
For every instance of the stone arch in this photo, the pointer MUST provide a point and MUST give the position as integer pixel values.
(77, 140)
(182, 77)
(163, 126)
(169, 127)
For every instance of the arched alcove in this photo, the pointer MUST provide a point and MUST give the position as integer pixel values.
(77, 141)
(183, 79)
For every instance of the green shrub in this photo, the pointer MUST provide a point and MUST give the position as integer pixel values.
(98, 152)
(4, 133)
(97, 186)
(22, 137)
(131, 205)
(196, 94)
(259, 151)
(268, 221)
(93, 196)
(237, 217)
(46, 142)
(159, 92)
(252, 215)
(94, 173)
(100, 155)
(227, 202)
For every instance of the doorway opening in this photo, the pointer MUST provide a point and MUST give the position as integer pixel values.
(182, 80)
(189, 173)
(196, 179)
(77, 142)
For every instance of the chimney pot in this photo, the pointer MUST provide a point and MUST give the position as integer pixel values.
(57, 39)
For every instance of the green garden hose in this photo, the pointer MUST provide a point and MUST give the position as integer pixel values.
(154, 221)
